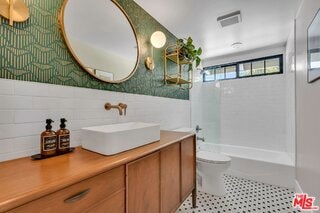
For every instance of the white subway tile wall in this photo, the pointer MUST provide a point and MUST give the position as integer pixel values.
(253, 112)
(24, 106)
(248, 112)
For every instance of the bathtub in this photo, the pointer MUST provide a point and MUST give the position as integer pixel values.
(261, 165)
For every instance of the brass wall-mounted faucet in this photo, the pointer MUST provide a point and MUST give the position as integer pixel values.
(121, 107)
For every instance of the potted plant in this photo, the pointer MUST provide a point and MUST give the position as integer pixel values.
(187, 51)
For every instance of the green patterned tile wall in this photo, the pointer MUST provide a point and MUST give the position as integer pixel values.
(35, 51)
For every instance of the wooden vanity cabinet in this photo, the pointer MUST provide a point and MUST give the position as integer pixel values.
(155, 178)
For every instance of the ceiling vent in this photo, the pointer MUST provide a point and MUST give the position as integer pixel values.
(230, 19)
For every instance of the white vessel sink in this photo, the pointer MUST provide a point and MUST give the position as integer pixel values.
(116, 138)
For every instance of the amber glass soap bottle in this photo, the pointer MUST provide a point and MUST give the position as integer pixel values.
(48, 140)
(63, 136)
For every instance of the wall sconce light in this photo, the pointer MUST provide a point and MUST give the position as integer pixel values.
(14, 10)
(158, 40)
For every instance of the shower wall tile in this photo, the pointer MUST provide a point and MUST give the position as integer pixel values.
(253, 112)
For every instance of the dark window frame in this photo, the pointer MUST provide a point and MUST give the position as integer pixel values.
(236, 64)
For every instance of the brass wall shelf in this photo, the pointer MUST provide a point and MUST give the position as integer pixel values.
(171, 53)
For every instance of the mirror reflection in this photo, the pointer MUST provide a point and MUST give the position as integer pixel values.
(101, 37)
(314, 49)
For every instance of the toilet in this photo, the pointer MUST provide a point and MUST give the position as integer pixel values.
(210, 169)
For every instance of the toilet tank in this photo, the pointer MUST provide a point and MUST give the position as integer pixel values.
(184, 129)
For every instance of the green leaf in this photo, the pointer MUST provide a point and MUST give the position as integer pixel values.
(198, 60)
(199, 51)
(189, 51)
(189, 41)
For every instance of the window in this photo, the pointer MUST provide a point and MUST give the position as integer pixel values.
(219, 73)
(244, 69)
(257, 67)
(231, 72)
(251, 68)
(315, 59)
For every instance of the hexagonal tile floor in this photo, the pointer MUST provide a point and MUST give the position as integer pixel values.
(244, 196)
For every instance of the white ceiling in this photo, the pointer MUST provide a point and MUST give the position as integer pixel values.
(264, 22)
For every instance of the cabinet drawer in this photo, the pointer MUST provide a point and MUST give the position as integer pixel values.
(113, 204)
(79, 196)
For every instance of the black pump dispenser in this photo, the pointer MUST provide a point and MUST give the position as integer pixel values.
(48, 140)
(49, 126)
(63, 123)
(63, 137)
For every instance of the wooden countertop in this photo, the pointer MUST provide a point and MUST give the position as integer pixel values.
(23, 180)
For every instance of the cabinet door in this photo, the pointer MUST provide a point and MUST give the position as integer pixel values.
(170, 178)
(143, 185)
(188, 167)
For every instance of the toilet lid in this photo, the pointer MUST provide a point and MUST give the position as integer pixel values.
(212, 157)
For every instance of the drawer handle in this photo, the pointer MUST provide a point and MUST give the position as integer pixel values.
(77, 196)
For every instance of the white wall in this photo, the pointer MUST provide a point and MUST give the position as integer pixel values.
(246, 112)
(24, 106)
(307, 108)
(290, 94)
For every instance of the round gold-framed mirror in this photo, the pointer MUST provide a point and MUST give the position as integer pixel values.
(101, 37)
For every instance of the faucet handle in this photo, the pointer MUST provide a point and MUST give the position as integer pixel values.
(201, 139)
(198, 129)
(108, 106)
(124, 107)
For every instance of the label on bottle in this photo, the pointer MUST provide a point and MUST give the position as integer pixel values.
(49, 143)
(64, 141)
